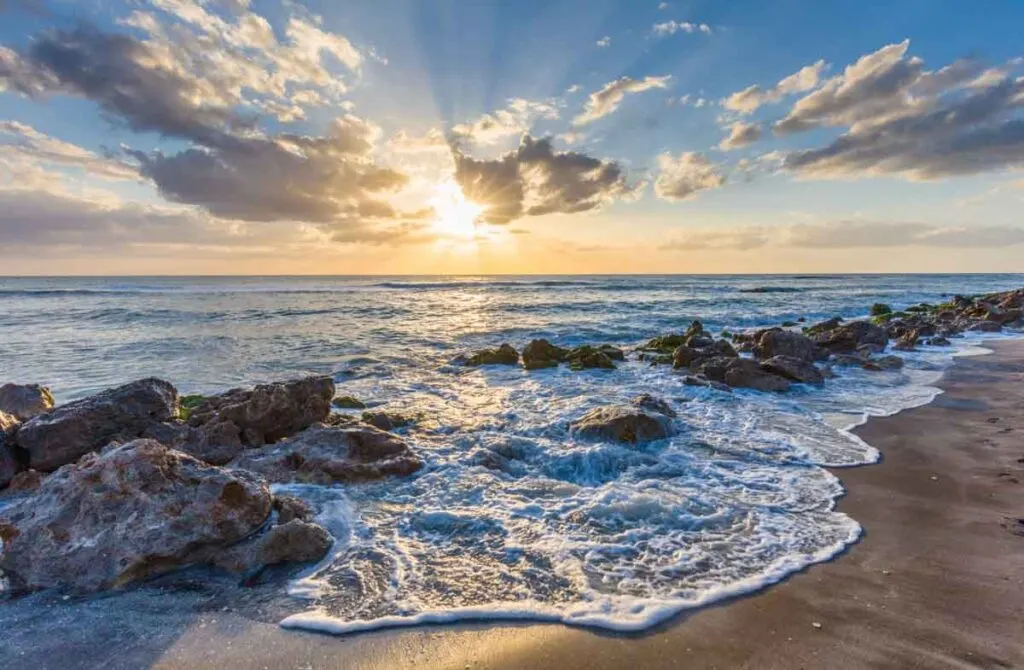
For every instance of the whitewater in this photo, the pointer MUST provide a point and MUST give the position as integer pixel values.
(511, 517)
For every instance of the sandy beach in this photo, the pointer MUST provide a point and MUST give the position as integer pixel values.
(937, 581)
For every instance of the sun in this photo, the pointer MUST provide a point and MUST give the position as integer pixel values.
(455, 215)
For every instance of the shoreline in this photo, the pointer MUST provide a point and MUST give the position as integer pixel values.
(936, 580)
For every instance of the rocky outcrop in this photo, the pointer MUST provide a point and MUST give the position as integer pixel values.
(795, 369)
(701, 348)
(324, 454)
(388, 420)
(586, 356)
(124, 413)
(265, 414)
(293, 541)
(503, 355)
(651, 403)
(778, 342)
(542, 354)
(621, 424)
(846, 338)
(133, 511)
(24, 401)
(742, 373)
(906, 342)
(701, 380)
(348, 402)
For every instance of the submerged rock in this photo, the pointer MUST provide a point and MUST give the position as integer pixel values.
(24, 401)
(655, 404)
(795, 369)
(542, 354)
(324, 454)
(503, 355)
(123, 413)
(134, 511)
(621, 424)
(266, 413)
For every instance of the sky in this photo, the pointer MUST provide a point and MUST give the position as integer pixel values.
(527, 137)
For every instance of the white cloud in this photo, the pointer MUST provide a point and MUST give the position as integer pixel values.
(25, 141)
(604, 41)
(517, 118)
(671, 27)
(684, 177)
(749, 99)
(741, 134)
(603, 102)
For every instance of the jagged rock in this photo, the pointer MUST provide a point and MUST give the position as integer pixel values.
(586, 356)
(348, 402)
(665, 344)
(294, 541)
(621, 424)
(741, 372)
(698, 380)
(216, 442)
(24, 401)
(775, 342)
(542, 354)
(652, 403)
(26, 480)
(267, 413)
(612, 352)
(503, 355)
(847, 337)
(685, 355)
(290, 507)
(906, 342)
(134, 511)
(699, 341)
(823, 326)
(388, 420)
(796, 369)
(124, 413)
(324, 454)
(938, 341)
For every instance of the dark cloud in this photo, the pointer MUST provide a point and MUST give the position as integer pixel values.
(535, 179)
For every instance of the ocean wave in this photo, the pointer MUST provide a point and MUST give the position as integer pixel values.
(771, 289)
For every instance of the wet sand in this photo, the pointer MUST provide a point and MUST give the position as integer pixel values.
(936, 582)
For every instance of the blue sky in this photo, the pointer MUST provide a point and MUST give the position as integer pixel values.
(269, 136)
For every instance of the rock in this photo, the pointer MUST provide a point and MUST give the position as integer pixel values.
(25, 401)
(775, 342)
(542, 354)
(612, 352)
(216, 442)
(879, 309)
(586, 356)
(388, 420)
(621, 424)
(134, 511)
(656, 359)
(722, 348)
(24, 481)
(9, 465)
(503, 355)
(654, 404)
(294, 541)
(866, 350)
(823, 326)
(267, 413)
(906, 342)
(665, 343)
(685, 355)
(741, 372)
(880, 363)
(324, 454)
(290, 507)
(348, 402)
(847, 337)
(696, 328)
(698, 380)
(123, 413)
(889, 362)
(796, 369)
(985, 327)
(938, 341)
(699, 341)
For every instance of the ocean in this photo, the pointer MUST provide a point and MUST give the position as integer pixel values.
(583, 533)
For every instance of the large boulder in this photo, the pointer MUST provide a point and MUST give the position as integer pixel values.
(123, 413)
(741, 373)
(542, 354)
(586, 356)
(846, 338)
(777, 342)
(324, 454)
(133, 511)
(795, 369)
(622, 424)
(293, 541)
(24, 401)
(688, 355)
(503, 355)
(267, 413)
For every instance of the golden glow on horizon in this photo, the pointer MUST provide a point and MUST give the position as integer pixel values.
(455, 215)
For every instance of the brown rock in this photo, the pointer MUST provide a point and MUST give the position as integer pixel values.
(503, 355)
(24, 401)
(776, 342)
(621, 424)
(847, 337)
(795, 369)
(542, 354)
(651, 403)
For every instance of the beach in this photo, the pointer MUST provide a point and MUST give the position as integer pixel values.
(937, 581)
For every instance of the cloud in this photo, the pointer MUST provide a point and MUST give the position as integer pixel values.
(848, 235)
(603, 102)
(741, 134)
(672, 27)
(403, 142)
(604, 42)
(905, 121)
(25, 141)
(517, 118)
(684, 177)
(662, 6)
(535, 179)
(749, 99)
